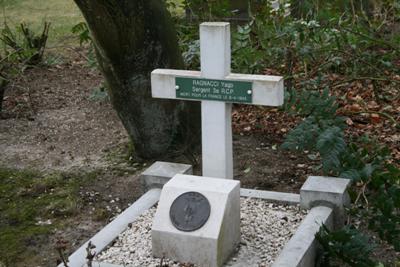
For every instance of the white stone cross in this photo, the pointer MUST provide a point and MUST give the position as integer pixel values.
(216, 82)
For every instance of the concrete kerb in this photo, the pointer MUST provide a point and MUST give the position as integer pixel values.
(326, 191)
(272, 196)
(103, 264)
(327, 197)
(301, 248)
(103, 238)
(160, 173)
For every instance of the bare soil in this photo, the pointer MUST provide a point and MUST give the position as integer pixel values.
(51, 123)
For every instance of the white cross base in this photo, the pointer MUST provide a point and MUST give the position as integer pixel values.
(215, 59)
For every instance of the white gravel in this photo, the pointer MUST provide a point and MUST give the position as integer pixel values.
(265, 228)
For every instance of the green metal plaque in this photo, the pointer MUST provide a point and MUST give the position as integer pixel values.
(218, 90)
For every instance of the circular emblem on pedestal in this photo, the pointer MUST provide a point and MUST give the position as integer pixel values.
(189, 211)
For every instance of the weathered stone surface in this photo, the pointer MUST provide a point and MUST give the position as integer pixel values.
(212, 244)
(326, 191)
(301, 249)
(272, 196)
(161, 172)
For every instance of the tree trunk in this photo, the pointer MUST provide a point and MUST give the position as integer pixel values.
(132, 38)
(3, 85)
(1, 98)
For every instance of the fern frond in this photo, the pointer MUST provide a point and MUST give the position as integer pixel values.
(303, 136)
(331, 144)
(351, 174)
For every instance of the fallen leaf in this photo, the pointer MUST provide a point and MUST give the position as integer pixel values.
(375, 118)
(372, 105)
(355, 107)
(358, 98)
(312, 156)
(349, 122)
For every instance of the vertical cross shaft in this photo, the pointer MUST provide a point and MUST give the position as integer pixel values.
(215, 58)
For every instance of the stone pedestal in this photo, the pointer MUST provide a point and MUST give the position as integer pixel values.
(326, 191)
(159, 173)
(216, 240)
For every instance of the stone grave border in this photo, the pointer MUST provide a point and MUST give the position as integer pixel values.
(324, 197)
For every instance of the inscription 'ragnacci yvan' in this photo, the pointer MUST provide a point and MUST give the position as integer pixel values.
(206, 83)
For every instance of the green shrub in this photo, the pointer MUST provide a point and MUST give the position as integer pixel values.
(81, 30)
(24, 45)
(22, 48)
(345, 247)
(364, 161)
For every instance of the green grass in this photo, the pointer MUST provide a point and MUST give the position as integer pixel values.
(27, 197)
(63, 15)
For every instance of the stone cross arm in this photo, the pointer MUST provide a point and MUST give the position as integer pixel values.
(266, 90)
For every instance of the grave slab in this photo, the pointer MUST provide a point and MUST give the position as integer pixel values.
(213, 243)
(265, 229)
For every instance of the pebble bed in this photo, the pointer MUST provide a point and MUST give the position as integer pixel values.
(265, 229)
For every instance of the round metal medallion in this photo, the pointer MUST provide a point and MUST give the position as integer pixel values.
(190, 211)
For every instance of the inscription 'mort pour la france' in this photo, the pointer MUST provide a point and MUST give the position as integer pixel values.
(219, 90)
